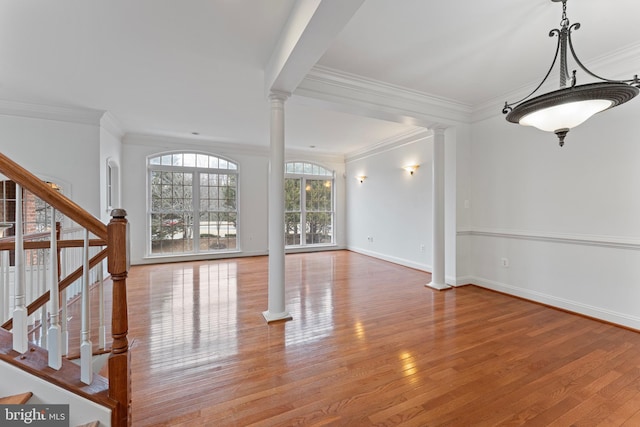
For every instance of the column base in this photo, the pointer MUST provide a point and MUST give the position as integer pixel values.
(438, 286)
(275, 317)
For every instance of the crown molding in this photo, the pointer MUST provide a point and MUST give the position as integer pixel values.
(622, 63)
(389, 144)
(357, 94)
(111, 124)
(173, 143)
(294, 154)
(87, 116)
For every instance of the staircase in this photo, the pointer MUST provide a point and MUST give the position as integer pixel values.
(22, 398)
(40, 273)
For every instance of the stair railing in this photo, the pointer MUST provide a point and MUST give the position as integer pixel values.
(62, 259)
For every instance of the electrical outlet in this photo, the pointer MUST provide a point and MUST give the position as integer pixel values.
(422, 248)
(505, 262)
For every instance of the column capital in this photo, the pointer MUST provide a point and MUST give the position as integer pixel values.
(438, 129)
(277, 95)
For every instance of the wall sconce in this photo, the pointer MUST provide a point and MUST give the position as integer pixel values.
(411, 168)
(361, 178)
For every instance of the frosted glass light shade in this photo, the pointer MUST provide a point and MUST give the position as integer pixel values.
(565, 116)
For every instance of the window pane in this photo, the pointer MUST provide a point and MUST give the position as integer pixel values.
(292, 228)
(318, 195)
(217, 231)
(189, 159)
(318, 227)
(308, 168)
(202, 160)
(292, 194)
(171, 233)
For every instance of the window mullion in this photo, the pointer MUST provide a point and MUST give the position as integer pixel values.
(303, 211)
(195, 226)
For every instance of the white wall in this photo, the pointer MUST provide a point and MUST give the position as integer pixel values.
(253, 163)
(567, 219)
(389, 214)
(463, 204)
(61, 151)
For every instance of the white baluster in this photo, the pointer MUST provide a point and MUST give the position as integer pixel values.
(20, 341)
(4, 294)
(28, 266)
(64, 320)
(42, 288)
(103, 328)
(54, 335)
(86, 350)
(7, 288)
(4, 301)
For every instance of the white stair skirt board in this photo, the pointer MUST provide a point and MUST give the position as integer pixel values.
(273, 317)
(437, 286)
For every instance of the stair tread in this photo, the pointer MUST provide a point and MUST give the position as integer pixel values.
(16, 399)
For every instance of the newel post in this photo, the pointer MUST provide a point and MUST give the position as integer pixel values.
(119, 360)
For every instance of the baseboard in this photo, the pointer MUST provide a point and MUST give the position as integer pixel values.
(395, 260)
(620, 319)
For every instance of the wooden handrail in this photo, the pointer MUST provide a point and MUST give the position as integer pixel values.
(64, 284)
(26, 179)
(26, 237)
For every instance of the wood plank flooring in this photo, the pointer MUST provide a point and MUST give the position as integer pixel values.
(368, 345)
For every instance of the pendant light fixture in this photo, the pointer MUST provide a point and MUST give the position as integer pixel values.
(563, 109)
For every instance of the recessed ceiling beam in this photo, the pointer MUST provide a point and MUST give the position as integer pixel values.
(308, 33)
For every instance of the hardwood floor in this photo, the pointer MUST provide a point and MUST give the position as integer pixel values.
(368, 345)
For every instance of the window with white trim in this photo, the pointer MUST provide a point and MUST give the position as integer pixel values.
(193, 204)
(309, 204)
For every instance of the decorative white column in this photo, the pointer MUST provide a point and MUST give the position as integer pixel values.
(437, 274)
(276, 309)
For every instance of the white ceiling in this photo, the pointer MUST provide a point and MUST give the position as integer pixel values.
(175, 67)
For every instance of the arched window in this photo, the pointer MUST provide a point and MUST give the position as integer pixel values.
(309, 205)
(193, 205)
